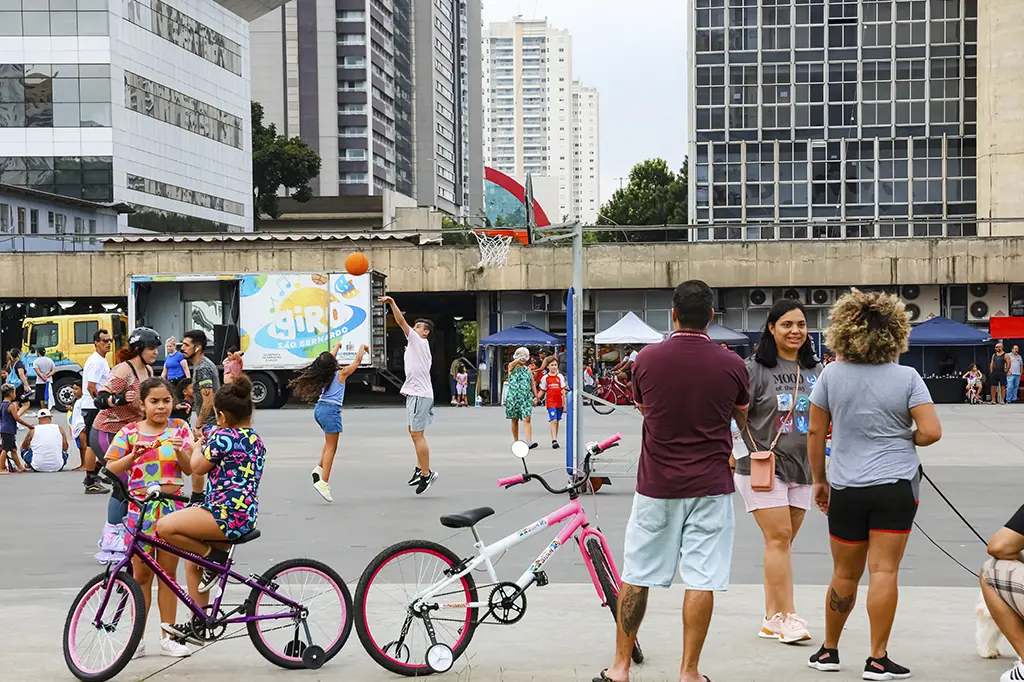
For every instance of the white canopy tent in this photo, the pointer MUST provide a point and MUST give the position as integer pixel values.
(630, 329)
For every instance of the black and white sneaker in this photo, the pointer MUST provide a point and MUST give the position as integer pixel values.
(182, 633)
(826, 660)
(209, 577)
(424, 482)
(554, 445)
(1014, 674)
(416, 475)
(884, 669)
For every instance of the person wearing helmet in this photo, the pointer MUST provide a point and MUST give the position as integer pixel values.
(119, 405)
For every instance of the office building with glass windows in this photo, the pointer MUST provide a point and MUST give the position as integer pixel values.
(834, 118)
(143, 102)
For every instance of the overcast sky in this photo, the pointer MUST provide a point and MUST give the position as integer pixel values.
(634, 53)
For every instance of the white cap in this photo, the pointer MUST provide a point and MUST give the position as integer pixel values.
(43, 413)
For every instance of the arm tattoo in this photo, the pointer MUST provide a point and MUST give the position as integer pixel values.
(632, 606)
(841, 604)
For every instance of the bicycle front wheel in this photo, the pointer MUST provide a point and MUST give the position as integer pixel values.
(604, 393)
(317, 588)
(95, 654)
(393, 633)
(609, 587)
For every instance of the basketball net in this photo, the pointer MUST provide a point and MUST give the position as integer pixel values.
(493, 248)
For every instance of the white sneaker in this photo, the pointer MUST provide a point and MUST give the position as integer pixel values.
(771, 628)
(794, 629)
(168, 647)
(140, 651)
(318, 473)
(1014, 674)
(324, 488)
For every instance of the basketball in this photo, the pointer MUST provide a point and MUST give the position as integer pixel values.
(356, 263)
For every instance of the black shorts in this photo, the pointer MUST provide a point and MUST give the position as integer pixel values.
(19, 394)
(89, 416)
(997, 380)
(8, 442)
(854, 512)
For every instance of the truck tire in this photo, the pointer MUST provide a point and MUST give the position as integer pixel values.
(64, 392)
(264, 391)
(283, 396)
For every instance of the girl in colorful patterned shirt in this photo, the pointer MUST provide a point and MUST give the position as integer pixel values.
(154, 452)
(231, 457)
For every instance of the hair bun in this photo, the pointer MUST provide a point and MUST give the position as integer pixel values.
(241, 386)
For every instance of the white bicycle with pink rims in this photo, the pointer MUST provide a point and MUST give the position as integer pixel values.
(417, 604)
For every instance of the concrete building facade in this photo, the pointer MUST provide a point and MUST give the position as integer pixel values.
(382, 91)
(533, 115)
(137, 101)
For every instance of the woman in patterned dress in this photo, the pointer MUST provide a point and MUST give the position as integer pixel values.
(521, 395)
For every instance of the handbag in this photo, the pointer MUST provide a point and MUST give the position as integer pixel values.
(762, 462)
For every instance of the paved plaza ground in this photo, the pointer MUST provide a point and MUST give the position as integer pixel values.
(51, 530)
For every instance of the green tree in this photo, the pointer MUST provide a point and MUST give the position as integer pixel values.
(278, 161)
(655, 195)
(454, 233)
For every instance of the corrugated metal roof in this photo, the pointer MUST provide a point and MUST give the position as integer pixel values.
(414, 237)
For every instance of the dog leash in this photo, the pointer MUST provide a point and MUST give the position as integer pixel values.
(959, 515)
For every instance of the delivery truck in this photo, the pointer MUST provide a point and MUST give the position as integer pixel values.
(279, 320)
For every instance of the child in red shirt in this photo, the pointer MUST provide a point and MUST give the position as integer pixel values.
(554, 388)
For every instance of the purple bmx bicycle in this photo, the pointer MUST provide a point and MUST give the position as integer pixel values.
(298, 613)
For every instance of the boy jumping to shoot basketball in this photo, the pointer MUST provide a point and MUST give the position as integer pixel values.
(418, 392)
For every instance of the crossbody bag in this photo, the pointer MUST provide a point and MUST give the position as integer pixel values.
(762, 462)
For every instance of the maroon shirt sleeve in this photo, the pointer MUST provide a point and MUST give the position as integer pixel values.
(638, 371)
(742, 379)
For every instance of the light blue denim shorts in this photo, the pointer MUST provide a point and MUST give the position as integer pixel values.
(693, 536)
(328, 417)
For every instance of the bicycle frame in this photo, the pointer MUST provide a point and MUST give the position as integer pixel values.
(577, 519)
(224, 571)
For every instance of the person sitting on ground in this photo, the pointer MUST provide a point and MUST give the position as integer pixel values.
(880, 413)
(1002, 586)
(10, 417)
(233, 364)
(45, 448)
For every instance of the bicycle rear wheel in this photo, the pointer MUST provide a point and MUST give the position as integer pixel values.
(95, 654)
(317, 588)
(604, 393)
(609, 587)
(392, 633)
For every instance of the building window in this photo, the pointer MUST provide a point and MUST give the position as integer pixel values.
(33, 221)
(5, 218)
(162, 103)
(354, 155)
(89, 177)
(893, 169)
(352, 131)
(92, 226)
(352, 39)
(351, 15)
(39, 20)
(189, 196)
(176, 27)
(350, 62)
(353, 178)
(743, 104)
(21, 220)
(57, 95)
(79, 225)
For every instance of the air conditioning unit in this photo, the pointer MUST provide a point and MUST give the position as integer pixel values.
(922, 302)
(987, 300)
(821, 298)
(540, 303)
(760, 298)
(794, 294)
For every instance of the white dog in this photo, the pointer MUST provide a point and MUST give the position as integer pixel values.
(986, 634)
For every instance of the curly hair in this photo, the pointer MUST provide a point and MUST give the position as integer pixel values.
(312, 379)
(868, 328)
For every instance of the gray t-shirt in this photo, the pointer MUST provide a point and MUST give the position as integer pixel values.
(872, 429)
(1015, 364)
(43, 365)
(204, 375)
(771, 397)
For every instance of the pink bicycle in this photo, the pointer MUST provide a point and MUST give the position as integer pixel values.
(417, 604)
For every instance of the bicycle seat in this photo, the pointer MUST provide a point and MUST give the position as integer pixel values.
(248, 537)
(467, 518)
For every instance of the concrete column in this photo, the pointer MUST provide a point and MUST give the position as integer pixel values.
(1000, 103)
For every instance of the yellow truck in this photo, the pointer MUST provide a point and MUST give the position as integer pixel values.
(68, 342)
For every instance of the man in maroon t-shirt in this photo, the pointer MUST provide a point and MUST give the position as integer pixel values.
(689, 389)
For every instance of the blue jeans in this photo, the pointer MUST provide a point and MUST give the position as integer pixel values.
(1012, 386)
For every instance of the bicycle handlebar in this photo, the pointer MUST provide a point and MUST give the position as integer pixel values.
(592, 449)
(157, 494)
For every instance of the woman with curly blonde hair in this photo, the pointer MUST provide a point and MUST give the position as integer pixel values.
(870, 493)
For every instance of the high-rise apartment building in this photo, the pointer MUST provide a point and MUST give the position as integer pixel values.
(376, 88)
(533, 111)
(860, 115)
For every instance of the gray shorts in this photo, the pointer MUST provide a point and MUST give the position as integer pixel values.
(419, 412)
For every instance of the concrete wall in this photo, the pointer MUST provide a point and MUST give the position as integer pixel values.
(1000, 101)
(436, 268)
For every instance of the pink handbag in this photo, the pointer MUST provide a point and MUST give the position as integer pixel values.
(762, 462)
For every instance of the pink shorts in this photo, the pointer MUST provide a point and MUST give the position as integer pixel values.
(799, 495)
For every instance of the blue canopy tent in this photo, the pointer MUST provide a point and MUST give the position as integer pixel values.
(522, 334)
(938, 337)
(730, 337)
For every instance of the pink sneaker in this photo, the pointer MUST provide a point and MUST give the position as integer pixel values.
(771, 628)
(794, 630)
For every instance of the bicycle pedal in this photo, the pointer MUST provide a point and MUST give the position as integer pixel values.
(541, 578)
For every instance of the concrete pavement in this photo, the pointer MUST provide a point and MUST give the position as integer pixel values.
(52, 529)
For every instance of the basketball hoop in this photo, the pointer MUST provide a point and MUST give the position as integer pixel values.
(494, 247)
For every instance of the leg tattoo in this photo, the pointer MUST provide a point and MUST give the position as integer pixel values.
(840, 604)
(632, 606)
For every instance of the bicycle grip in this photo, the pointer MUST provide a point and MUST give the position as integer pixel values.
(510, 481)
(604, 445)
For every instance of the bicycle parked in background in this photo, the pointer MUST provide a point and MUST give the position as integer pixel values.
(611, 390)
(417, 604)
(298, 613)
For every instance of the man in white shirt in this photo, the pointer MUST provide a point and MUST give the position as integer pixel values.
(418, 392)
(94, 375)
(45, 448)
